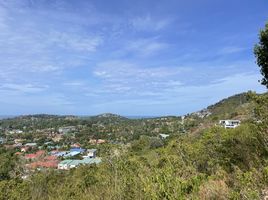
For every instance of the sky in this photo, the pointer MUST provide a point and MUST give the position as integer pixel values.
(142, 57)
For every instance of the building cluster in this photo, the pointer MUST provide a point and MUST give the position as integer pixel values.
(60, 159)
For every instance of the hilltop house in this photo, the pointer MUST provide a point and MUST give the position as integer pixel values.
(229, 123)
(163, 136)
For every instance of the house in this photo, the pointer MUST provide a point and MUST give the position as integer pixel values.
(50, 164)
(15, 131)
(65, 164)
(91, 153)
(67, 129)
(36, 155)
(48, 143)
(32, 144)
(52, 157)
(24, 149)
(77, 149)
(229, 123)
(101, 141)
(69, 164)
(76, 145)
(97, 141)
(71, 154)
(16, 141)
(40, 153)
(87, 161)
(60, 153)
(163, 136)
(44, 164)
(30, 156)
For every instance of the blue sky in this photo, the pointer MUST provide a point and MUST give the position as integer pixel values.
(131, 58)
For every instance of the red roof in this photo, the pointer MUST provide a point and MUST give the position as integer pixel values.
(40, 152)
(50, 164)
(76, 145)
(46, 164)
(31, 156)
(35, 155)
(50, 158)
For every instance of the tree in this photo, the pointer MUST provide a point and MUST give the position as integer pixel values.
(261, 53)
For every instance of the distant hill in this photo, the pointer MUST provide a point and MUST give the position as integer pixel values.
(41, 116)
(6, 116)
(109, 115)
(107, 118)
(234, 107)
(237, 106)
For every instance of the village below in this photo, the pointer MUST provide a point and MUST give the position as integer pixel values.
(65, 142)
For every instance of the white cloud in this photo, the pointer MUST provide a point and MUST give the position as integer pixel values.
(148, 23)
(31, 45)
(75, 42)
(146, 47)
(22, 88)
(231, 50)
(118, 70)
(74, 83)
(131, 79)
(182, 99)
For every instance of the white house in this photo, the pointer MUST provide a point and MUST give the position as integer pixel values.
(229, 123)
(91, 153)
(31, 144)
(66, 129)
(64, 164)
(163, 136)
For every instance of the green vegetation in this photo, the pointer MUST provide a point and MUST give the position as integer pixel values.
(261, 54)
(219, 164)
(214, 163)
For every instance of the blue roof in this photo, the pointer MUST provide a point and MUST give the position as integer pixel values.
(62, 153)
(77, 149)
(72, 153)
